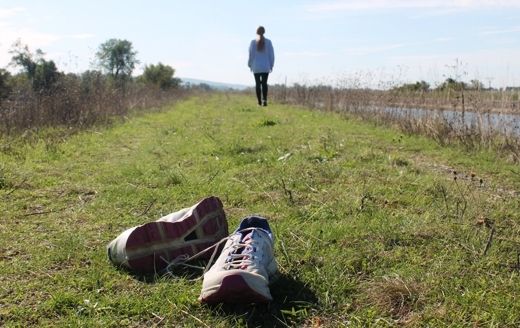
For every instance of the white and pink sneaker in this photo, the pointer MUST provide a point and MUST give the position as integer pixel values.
(245, 267)
(152, 246)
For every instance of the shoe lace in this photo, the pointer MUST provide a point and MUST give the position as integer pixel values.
(182, 260)
(242, 254)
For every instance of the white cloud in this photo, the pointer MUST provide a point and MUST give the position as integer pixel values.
(27, 36)
(311, 54)
(11, 32)
(443, 39)
(367, 50)
(493, 31)
(354, 5)
(500, 64)
(181, 64)
(374, 49)
(10, 12)
(81, 36)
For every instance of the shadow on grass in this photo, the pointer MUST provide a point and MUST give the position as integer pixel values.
(292, 303)
(189, 273)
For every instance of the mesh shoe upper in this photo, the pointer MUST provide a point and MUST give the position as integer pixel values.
(244, 268)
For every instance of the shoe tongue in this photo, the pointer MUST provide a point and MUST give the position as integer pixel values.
(247, 236)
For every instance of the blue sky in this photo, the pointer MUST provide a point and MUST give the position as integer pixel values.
(347, 42)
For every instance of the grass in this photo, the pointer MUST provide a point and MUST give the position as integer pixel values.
(373, 228)
(467, 123)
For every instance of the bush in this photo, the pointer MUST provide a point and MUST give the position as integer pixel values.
(159, 75)
(41, 96)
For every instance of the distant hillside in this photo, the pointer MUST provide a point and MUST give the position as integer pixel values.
(214, 85)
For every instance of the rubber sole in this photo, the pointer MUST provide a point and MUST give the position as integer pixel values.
(234, 289)
(151, 246)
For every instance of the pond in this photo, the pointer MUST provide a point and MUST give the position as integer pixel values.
(488, 122)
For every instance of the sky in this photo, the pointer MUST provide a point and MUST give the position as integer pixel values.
(366, 43)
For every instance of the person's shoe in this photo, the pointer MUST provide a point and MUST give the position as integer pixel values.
(151, 246)
(264, 103)
(244, 268)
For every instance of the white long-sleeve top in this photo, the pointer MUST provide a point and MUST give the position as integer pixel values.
(261, 61)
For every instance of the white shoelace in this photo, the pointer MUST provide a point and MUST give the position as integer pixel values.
(241, 254)
(237, 260)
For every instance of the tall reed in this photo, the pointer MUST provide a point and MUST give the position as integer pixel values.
(78, 101)
(470, 121)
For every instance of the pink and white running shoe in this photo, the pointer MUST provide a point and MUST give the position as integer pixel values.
(245, 267)
(151, 246)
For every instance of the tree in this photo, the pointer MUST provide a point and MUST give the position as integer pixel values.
(43, 73)
(117, 58)
(204, 86)
(45, 76)
(451, 84)
(92, 81)
(5, 87)
(160, 75)
(422, 86)
(24, 58)
(477, 85)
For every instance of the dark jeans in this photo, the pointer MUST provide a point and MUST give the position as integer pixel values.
(261, 87)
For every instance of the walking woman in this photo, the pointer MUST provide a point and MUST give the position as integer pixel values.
(261, 62)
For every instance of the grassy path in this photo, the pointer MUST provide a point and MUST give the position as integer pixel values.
(372, 227)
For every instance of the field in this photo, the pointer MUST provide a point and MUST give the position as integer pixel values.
(372, 227)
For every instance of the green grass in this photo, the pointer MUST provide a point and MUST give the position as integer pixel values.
(372, 228)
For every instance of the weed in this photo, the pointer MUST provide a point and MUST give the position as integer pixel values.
(448, 115)
(4, 182)
(267, 122)
(371, 228)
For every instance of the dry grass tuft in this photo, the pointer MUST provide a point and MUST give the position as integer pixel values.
(397, 297)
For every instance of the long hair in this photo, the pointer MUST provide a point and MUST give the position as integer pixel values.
(260, 43)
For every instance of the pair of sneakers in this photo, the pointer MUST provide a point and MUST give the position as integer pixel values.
(242, 271)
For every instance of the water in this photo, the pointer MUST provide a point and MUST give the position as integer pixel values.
(508, 124)
(493, 122)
